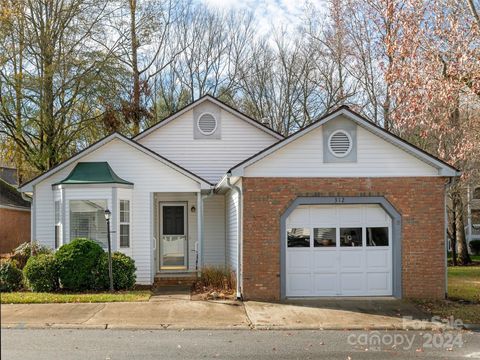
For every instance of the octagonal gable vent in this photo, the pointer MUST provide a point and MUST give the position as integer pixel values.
(340, 143)
(207, 124)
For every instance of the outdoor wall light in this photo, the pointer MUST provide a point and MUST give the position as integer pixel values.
(193, 209)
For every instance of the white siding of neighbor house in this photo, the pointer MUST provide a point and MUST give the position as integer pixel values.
(231, 220)
(148, 175)
(304, 157)
(214, 222)
(208, 158)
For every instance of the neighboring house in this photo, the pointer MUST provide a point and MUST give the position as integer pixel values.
(472, 230)
(14, 217)
(340, 208)
(9, 175)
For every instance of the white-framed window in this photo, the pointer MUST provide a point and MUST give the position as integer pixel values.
(87, 220)
(58, 224)
(124, 223)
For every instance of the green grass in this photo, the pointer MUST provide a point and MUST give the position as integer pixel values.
(41, 298)
(463, 284)
(475, 258)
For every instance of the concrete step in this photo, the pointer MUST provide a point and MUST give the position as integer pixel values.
(174, 279)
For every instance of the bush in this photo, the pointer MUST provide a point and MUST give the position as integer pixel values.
(11, 278)
(123, 270)
(475, 247)
(78, 263)
(23, 252)
(41, 273)
(218, 277)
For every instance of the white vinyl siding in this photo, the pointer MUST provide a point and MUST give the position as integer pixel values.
(208, 158)
(214, 222)
(375, 158)
(231, 207)
(147, 174)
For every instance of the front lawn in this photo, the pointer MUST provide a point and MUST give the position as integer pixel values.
(40, 298)
(463, 295)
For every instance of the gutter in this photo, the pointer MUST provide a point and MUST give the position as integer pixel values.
(239, 236)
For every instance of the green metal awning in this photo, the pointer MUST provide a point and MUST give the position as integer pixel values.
(93, 173)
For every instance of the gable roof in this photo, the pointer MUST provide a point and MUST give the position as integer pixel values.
(217, 102)
(28, 186)
(444, 168)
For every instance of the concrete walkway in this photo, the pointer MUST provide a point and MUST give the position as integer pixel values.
(181, 313)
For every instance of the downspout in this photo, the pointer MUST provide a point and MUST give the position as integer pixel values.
(449, 183)
(202, 230)
(239, 232)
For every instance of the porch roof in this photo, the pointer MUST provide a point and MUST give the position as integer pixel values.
(93, 173)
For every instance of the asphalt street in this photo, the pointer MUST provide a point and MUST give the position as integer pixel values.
(66, 344)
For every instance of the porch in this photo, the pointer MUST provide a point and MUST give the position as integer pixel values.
(189, 232)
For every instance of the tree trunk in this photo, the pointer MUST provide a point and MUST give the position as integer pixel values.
(453, 233)
(135, 71)
(463, 256)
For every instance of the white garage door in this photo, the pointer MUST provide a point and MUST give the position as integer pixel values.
(343, 250)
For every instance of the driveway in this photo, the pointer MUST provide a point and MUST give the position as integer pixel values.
(172, 312)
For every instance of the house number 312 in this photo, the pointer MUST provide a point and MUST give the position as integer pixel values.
(339, 200)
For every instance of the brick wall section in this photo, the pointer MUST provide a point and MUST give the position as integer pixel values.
(420, 201)
(14, 229)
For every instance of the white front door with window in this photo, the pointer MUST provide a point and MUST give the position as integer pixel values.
(173, 236)
(343, 250)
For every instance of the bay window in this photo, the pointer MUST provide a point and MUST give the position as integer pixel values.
(87, 220)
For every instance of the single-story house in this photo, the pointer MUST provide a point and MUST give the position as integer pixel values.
(339, 208)
(14, 217)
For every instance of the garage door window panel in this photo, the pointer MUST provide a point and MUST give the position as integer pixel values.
(377, 236)
(298, 237)
(324, 237)
(351, 237)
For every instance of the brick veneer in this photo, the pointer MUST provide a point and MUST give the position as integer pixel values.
(419, 200)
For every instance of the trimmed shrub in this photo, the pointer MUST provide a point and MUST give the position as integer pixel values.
(41, 273)
(218, 277)
(23, 252)
(11, 278)
(78, 263)
(475, 247)
(123, 270)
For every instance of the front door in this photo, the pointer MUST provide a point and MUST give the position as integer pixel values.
(173, 236)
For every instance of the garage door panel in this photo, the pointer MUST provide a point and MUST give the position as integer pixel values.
(301, 215)
(378, 259)
(299, 261)
(379, 282)
(351, 260)
(375, 214)
(299, 284)
(323, 215)
(325, 284)
(324, 260)
(348, 215)
(352, 283)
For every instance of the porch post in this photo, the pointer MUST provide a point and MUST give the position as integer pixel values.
(199, 230)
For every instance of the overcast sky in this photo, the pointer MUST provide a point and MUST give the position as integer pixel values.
(269, 13)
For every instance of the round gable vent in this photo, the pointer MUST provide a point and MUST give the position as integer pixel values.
(340, 143)
(207, 124)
